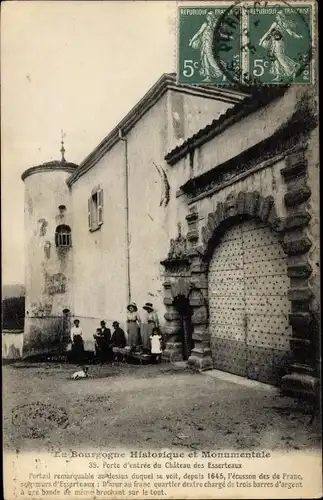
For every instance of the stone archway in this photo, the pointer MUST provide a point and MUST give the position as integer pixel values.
(191, 266)
(183, 280)
(187, 293)
(295, 242)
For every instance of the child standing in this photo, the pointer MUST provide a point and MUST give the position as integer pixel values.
(156, 344)
(150, 322)
(98, 346)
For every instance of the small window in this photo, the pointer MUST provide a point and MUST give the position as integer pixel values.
(63, 237)
(95, 209)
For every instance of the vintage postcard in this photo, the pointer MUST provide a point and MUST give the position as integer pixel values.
(160, 250)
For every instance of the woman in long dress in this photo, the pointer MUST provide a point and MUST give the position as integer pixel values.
(133, 325)
(273, 42)
(151, 321)
(203, 40)
(77, 342)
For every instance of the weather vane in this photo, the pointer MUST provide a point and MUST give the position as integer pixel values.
(63, 135)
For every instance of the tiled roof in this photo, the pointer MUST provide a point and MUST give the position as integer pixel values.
(50, 166)
(249, 104)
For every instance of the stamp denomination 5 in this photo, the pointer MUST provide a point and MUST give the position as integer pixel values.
(197, 63)
(246, 43)
(282, 37)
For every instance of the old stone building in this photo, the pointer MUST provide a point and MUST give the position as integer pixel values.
(203, 201)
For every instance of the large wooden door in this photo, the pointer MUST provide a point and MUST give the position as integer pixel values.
(248, 304)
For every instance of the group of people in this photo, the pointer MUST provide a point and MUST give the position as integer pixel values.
(140, 332)
(143, 334)
(104, 341)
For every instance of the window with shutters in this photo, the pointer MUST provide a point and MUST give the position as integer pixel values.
(95, 209)
(63, 237)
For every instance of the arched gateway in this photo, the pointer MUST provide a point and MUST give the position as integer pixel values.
(248, 303)
(246, 316)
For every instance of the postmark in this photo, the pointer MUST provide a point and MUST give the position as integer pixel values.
(276, 42)
(196, 61)
(246, 43)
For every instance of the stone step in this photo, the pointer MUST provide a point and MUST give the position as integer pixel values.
(299, 341)
(300, 368)
(299, 384)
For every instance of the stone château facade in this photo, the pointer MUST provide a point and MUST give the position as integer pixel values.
(203, 201)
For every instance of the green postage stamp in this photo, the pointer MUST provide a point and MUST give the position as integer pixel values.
(247, 42)
(197, 58)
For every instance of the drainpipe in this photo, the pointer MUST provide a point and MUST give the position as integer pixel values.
(127, 235)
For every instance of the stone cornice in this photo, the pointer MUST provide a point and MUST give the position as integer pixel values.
(165, 82)
(286, 140)
(51, 166)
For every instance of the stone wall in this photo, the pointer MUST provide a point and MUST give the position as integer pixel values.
(268, 172)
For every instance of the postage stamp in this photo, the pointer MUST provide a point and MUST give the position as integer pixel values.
(247, 43)
(281, 41)
(196, 59)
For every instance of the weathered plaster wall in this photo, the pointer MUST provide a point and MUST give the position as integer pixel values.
(47, 266)
(187, 114)
(152, 214)
(231, 142)
(148, 205)
(48, 270)
(99, 277)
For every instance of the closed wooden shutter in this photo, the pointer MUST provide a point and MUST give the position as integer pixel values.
(100, 206)
(89, 203)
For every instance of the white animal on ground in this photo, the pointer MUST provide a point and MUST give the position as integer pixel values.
(80, 374)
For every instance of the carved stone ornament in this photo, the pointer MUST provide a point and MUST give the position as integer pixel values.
(177, 258)
(178, 246)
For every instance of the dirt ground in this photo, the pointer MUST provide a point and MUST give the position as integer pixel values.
(156, 406)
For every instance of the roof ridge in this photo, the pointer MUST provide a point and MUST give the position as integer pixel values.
(165, 82)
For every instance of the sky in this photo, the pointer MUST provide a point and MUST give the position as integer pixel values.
(76, 66)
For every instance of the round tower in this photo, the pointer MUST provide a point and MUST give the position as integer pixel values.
(48, 256)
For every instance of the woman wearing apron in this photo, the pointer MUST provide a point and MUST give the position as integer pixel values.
(151, 322)
(133, 325)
